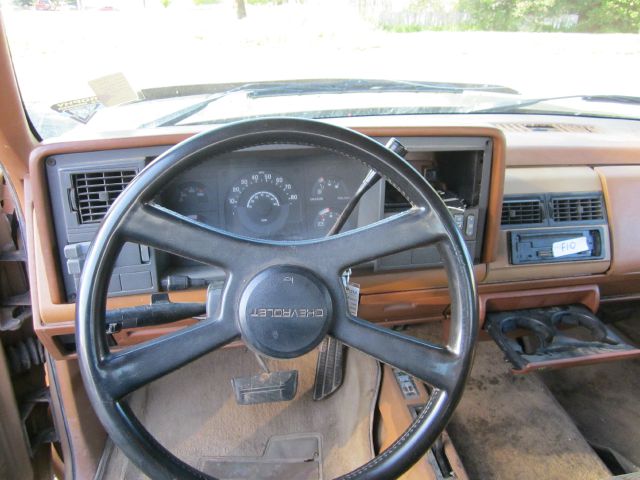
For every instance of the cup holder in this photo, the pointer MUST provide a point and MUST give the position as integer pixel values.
(589, 322)
(554, 336)
(528, 326)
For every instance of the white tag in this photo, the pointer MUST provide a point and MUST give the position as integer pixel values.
(113, 89)
(571, 246)
(353, 297)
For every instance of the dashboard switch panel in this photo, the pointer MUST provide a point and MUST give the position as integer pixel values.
(82, 187)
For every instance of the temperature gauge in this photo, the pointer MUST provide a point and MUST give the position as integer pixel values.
(325, 219)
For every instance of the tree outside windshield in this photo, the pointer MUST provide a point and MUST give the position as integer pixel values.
(538, 48)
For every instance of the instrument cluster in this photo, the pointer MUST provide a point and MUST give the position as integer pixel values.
(294, 195)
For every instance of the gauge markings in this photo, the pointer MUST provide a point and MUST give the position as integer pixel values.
(261, 201)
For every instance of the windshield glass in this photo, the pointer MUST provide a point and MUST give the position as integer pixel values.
(100, 66)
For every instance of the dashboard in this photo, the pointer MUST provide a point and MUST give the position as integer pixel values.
(514, 188)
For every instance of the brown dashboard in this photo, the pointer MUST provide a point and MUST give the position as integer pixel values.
(547, 166)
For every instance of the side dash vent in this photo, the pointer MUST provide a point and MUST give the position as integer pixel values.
(94, 192)
(576, 209)
(522, 212)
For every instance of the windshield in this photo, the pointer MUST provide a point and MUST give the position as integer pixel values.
(101, 66)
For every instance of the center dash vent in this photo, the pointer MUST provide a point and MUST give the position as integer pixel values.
(576, 209)
(522, 212)
(95, 192)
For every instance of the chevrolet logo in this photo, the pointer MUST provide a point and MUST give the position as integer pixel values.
(288, 312)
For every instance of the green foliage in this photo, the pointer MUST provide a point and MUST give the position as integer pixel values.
(416, 27)
(604, 15)
(507, 15)
(165, 3)
(619, 16)
(266, 2)
(401, 28)
(537, 15)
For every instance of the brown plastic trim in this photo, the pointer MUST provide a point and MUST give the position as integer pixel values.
(396, 417)
(417, 306)
(621, 188)
(15, 135)
(86, 435)
(532, 155)
(587, 295)
(573, 362)
(620, 298)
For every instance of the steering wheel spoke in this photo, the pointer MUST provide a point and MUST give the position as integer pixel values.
(434, 364)
(166, 230)
(412, 228)
(128, 370)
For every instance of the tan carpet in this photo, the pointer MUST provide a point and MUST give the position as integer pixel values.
(511, 427)
(630, 328)
(194, 414)
(604, 399)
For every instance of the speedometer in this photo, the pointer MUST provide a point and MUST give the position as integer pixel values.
(261, 202)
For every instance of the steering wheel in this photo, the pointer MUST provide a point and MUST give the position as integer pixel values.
(301, 276)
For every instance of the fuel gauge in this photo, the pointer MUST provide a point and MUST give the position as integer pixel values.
(324, 220)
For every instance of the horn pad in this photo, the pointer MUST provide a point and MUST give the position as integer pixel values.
(285, 312)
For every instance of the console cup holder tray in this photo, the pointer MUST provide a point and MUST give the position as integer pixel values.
(555, 337)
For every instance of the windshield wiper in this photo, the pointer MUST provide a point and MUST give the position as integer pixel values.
(338, 86)
(302, 87)
(629, 100)
(510, 107)
(178, 116)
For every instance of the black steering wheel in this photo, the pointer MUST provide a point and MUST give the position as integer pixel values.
(302, 276)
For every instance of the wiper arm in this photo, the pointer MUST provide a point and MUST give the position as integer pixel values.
(179, 115)
(510, 107)
(627, 99)
(338, 86)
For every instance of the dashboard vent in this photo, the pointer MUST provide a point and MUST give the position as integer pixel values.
(576, 209)
(522, 212)
(95, 192)
(546, 127)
